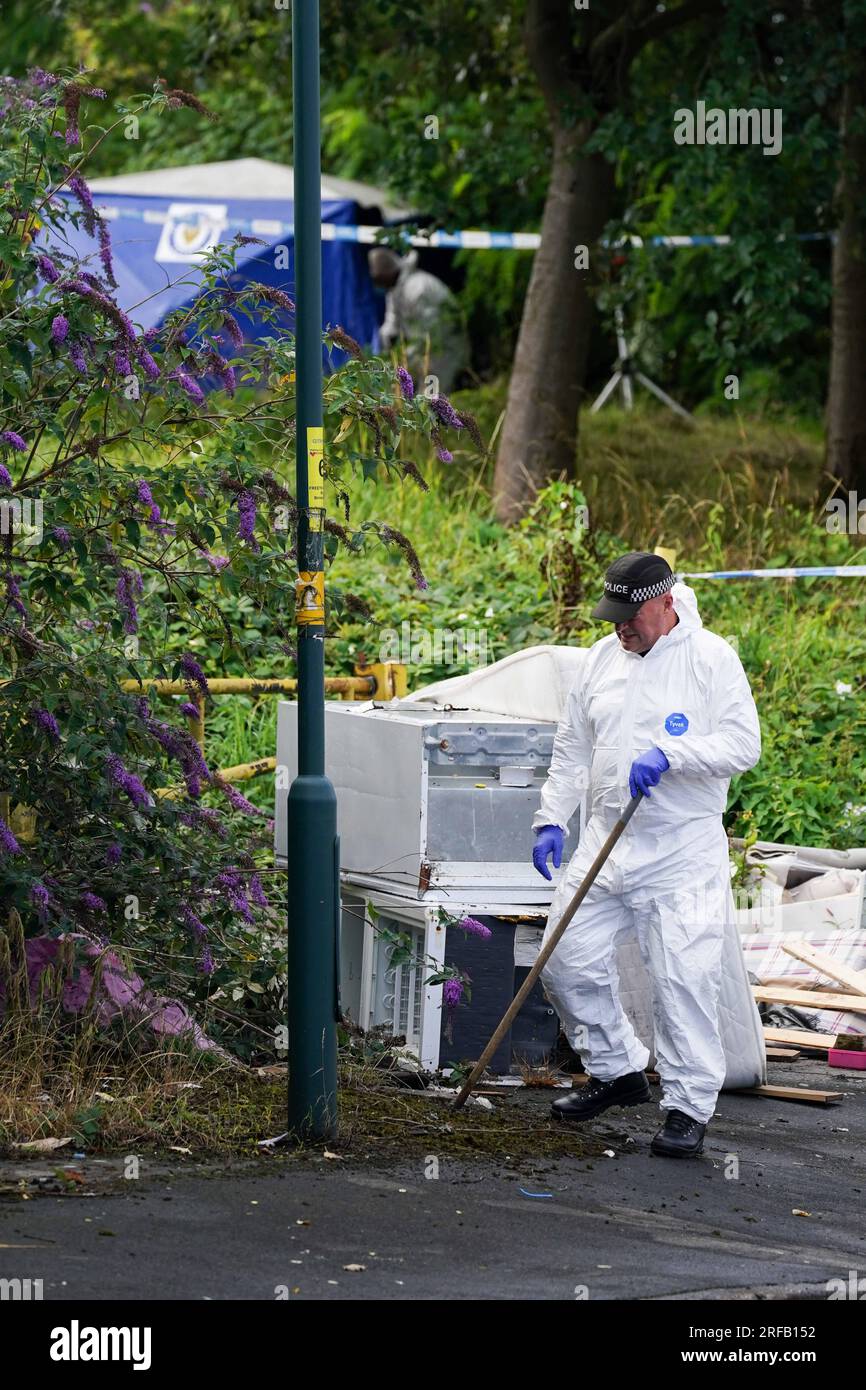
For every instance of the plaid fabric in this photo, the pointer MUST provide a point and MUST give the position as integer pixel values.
(767, 963)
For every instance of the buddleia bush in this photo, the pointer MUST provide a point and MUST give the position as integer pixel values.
(144, 503)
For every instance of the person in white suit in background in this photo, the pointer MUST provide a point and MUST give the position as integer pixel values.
(422, 317)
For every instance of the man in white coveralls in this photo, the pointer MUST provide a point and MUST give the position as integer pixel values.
(661, 706)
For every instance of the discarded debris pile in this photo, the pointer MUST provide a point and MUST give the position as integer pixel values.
(804, 945)
(389, 1102)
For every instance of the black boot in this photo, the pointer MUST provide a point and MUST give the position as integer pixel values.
(585, 1102)
(682, 1136)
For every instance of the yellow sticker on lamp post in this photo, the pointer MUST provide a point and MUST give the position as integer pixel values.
(315, 467)
(310, 597)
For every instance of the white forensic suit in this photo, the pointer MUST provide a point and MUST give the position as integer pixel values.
(668, 878)
(423, 314)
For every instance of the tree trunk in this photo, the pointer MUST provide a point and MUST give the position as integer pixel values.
(539, 435)
(846, 400)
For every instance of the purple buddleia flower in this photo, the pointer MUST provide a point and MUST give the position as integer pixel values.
(444, 411)
(474, 927)
(41, 900)
(77, 358)
(128, 586)
(149, 367)
(257, 892)
(206, 964)
(127, 782)
(40, 78)
(182, 747)
(238, 802)
(193, 675)
(188, 709)
(407, 385)
(187, 384)
(13, 593)
(203, 815)
(217, 364)
(233, 330)
(79, 190)
(46, 722)
(145, 496)
(452, 993)
(85, 286)
(232, 884)
(59, 328)
(62, 537)
(92, 901)
(104, 236)
(122, 364)
(47, 269)
(13, 441)
(444, 455)
(8, 843)
(194, 923)
(5, 476)
(246, 505)
(113, 854)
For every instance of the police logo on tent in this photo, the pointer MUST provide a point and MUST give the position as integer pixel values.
(190, 230)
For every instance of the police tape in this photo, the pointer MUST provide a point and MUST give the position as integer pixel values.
(476, 240)
(799, 572)
(525, 241)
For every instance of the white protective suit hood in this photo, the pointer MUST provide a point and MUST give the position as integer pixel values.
(686, 605)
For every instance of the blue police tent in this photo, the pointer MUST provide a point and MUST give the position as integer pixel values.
(162, 222)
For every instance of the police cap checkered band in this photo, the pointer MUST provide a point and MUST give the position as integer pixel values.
(629, 582)
(648, 590)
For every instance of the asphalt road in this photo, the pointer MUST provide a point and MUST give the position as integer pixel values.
(627, 1226)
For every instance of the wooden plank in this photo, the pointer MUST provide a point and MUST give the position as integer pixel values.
(846, 975)
(810, 998)
(792, 1093)
(800, 1037)
(782, 1054)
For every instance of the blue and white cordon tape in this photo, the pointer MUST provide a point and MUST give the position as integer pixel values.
(367, 235)
(800, 572)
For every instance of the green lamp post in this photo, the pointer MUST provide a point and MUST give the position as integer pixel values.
(313, 847)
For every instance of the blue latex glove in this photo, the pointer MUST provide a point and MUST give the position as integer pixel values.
(549, 840)
(646, 771)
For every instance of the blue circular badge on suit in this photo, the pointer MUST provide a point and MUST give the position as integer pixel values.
(676, 724)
